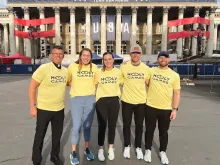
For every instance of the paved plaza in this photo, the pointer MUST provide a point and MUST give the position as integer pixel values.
(194, 136)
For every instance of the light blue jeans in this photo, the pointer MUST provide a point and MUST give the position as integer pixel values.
(82, 110)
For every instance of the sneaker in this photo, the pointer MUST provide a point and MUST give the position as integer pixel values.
(89, 154)
(127, 152)
(147, 156)
(139, 153)
(101, 155)
(56, 160)
(163, 158)
(74, 158)
(111, 154)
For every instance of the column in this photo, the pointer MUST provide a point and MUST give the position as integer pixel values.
(11, 30)
(180, 40)
(21, 44)
(27, 41)
(103, 29)
(164, 31)
(42, 28)
(134, 25)
(57, 25)
(88, 26)
(72, 30)
(149, 30)
(118, 30)
(215, 36)
(194, 39)
(6, 51)
(210, 44)
(218, 40)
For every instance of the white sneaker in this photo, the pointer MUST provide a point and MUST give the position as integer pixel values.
(127, 152)
(139, 153)
(111, 154)
(163, 158)
(147, 156)
(101, 155)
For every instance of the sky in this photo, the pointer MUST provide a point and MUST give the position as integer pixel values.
(218, 1)
(3, 3)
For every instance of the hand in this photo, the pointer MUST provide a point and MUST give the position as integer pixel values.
(33, 111)
(173, 115)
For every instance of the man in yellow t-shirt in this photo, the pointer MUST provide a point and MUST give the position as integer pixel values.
(163, 99)
(51, 81)
(136, 75)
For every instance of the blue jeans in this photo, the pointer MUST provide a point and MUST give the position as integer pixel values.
(82, 110)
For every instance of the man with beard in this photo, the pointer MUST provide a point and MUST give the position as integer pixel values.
(136, 76)
(163, 99)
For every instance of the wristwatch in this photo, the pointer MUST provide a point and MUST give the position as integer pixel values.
(175, 109)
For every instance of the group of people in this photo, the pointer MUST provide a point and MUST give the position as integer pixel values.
(148, 94)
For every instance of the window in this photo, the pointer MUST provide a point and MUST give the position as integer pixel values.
(97, 47)
(110, 46)
(61, 28)
(69, 50)
(159, 28)
(69, 28)
(83, 44)
(123, 47)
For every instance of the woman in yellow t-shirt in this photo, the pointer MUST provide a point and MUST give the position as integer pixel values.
(108, 81)
(82, 97)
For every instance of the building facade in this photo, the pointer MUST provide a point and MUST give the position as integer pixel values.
(73, 26)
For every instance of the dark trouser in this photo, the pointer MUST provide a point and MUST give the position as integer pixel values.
(151, 117)
(43, 119)
(127, 113)
(107, 110)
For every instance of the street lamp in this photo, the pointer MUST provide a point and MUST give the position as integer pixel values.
(34, 33)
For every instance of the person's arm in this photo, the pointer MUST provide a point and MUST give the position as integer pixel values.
(176, 98)
(32, 97)
(69, 76)
(148, 76)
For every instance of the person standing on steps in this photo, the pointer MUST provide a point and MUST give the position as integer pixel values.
(82, 96)
(108, 81)
(163, 100)
(136, 76)
(50, 79)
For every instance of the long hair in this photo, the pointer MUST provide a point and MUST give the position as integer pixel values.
(79, 61)
(106, 53)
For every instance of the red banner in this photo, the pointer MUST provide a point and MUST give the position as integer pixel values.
(183, 34)
(43, 34)
(186, 21)
(34, 22)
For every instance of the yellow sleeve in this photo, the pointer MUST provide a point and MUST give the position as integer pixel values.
(176, 83)
(121, 78)
(96, 78)
(147, 73)
(40, 73)
(69, 75)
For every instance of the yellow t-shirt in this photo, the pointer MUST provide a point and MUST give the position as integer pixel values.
(134, 87)
(51, 91)
(83, 83)
(108, 83)
(161, 86)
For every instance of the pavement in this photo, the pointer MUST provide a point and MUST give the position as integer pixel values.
(193, 136)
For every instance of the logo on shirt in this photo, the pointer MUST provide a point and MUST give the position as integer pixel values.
(58, 79)
(109, 80)
(85, 74)
(161, 78)
(135, 75)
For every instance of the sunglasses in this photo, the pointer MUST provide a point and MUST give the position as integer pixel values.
(136, 53)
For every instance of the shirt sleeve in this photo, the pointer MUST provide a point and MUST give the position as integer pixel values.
(39, 74)
(69, 75)
(176, 83)
(147, 73)
(121, 78)
(96, 78)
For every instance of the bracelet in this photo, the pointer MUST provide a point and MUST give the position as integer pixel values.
(33, 105)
